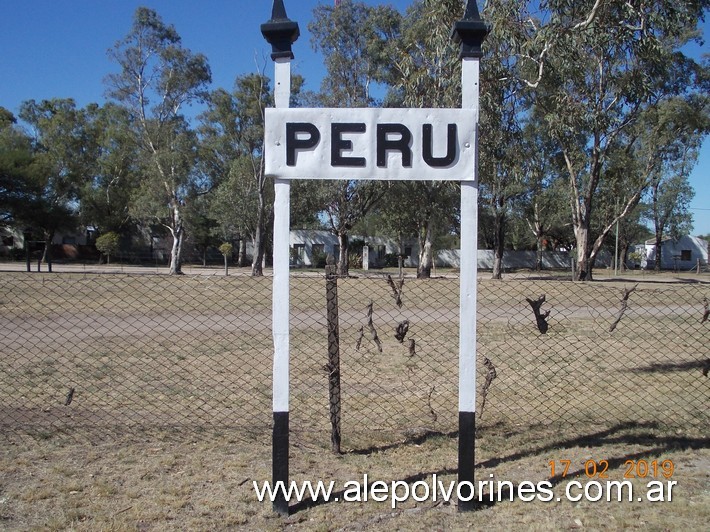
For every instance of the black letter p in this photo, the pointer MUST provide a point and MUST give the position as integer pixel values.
(293, 143)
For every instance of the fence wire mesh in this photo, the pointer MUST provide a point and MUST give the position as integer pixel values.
(102, 354)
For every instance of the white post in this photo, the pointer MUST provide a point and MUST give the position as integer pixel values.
(281, 304)
(281, 33)
(468, 294)
(282, 222)
(469, 252)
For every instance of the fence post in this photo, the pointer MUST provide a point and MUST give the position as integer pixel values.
(331, 290)
(27, 250)
(49, 255)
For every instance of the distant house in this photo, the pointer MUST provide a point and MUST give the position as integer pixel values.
(681, 254)
(308, 244)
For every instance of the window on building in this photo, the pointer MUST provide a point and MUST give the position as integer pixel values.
(408, 251)
(300, 251)
(686, 254)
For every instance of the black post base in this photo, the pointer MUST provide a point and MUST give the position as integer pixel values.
(279, 471)
(467, 447)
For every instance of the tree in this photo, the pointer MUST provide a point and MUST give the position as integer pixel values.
(158, 78)
(16, 166)
(673, 131)
(198, 218)
(105, 192)
(226, 250)
(108, 244)
(62, 157)
(426, 73)
(232, 145)
(600, 66)
(354, 39)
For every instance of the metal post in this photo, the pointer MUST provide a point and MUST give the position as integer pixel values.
(26, 235)
(616, 245)
(281, 32)
(331, 287)
(470, 32)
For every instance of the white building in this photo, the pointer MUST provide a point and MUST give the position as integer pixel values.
(307, 244)
(681, 254)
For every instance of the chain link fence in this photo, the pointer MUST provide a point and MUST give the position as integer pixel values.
(88, 354)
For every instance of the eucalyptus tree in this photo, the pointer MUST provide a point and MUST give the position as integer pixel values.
(355, 40)
(62, 155)
(158, 78)
(543, 206)
(426, 73)
(232, 148)
(106, 191)
(17, 164)
(673, 132)
(600, 66)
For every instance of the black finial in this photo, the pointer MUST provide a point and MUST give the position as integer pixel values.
(280, 32)
(470, 31)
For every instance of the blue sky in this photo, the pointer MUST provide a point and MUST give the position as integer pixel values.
(57, 49)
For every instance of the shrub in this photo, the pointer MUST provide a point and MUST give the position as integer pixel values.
(108, 244)
(226, 249)
(355, 260)
(319, 258)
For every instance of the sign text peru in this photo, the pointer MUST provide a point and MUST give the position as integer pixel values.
(371, 143)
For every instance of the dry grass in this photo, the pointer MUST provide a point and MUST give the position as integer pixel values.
(169, 424)
(160, 484)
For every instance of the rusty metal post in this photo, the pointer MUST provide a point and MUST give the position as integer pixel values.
(331, 289)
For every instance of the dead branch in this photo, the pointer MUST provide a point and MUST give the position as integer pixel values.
(412, 347)
(375, 338)
(359, 338)
(492, 374)
(540, 317)
(706, 368)
(70, 397)
(624, 306)
(707, 311)
(396, 290)
(371, 327)
(401, 331)
(431, 409)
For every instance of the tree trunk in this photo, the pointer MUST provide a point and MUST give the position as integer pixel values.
(241, 255)
(256, 264)
(176, 251)
(426, 249)
(584, 272)
(623, 253)
(498, 243)
(48, 237)
(178, 232)
(343, 258)
(659, 246)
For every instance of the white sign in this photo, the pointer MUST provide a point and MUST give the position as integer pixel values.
(371, 143)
